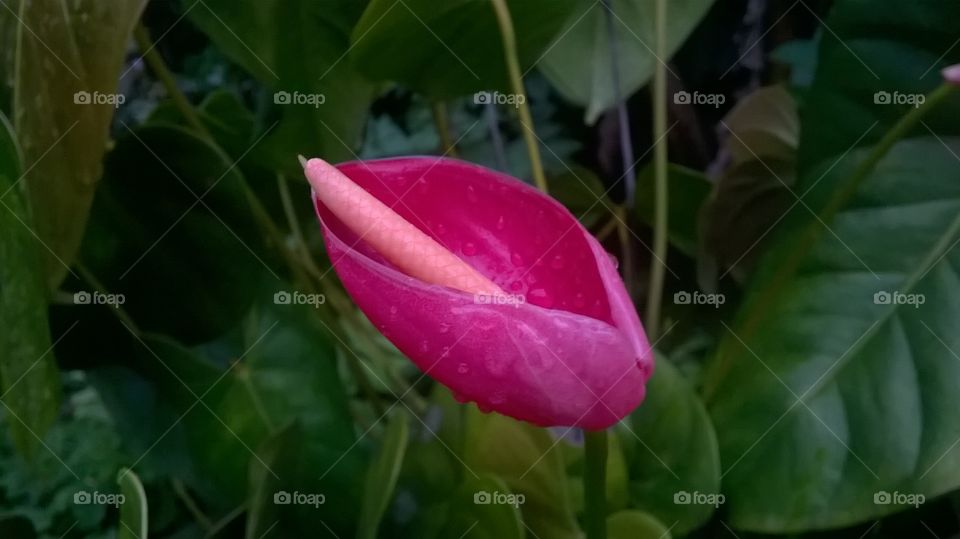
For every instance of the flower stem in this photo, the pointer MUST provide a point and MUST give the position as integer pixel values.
(594, 483)
(441, 121)
(659, 260)
(516, 81)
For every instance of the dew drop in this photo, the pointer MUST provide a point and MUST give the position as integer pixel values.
(556, 262)
(463, 368)
(614, 261)
(579, 301)
(498, 398)
(471, 194)
(444, 328)
(469, 249)
(516, 259)
(500, 223)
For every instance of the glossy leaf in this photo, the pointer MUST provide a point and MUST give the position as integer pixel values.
(672, 452)
(463, 35)
(133, 512)
(296, 48)
(578, 63)
(844, 387)
(29, 380)
(68, 60)
(688, 192)
(474, 513)
(526, 459)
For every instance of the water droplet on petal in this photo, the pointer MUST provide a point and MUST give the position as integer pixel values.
(469, 249)
(443, 328)
(516, 259)
(463, 368)
(471, 194)
(556, 262)
(500, 223)
(614, 261)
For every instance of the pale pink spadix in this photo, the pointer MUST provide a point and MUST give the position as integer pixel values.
(403, 244)
(488, 285)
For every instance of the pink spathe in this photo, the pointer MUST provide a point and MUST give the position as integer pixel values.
(544, 331)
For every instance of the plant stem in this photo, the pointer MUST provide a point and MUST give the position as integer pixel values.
(441, 120)
(516, 81)
(165, 76)
(659, 260)
(594, 483)
(809, 236)
(623, 116)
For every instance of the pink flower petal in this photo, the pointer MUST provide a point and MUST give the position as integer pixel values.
(573, 354)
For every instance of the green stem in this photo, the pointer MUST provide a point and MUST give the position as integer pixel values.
(809, 236)
(594, 483)
(441, 121)
(661, 199)
(516, 81)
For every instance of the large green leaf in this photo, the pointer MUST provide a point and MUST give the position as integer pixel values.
(447, 49)
(173, 232)
(297, 46)
(474, 512)
(672, 454)
(825, 384)
(579, 62)
(636, 525)
(29, 381)
(68, 55)
(527, 460)
(688, 192)
(868, 50)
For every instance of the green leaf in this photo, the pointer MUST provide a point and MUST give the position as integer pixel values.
(579, 62)
(452, 48)
(635, 525)
(688, 192)
(474, 512)
(29, 380)
(754, 192)
(678, 453)
(869, 50)
(830, 388)
(581, 192)
(171, 206)
(382, 476)
(297, 47)
(527, 460)
(63, 49)
(133, 512)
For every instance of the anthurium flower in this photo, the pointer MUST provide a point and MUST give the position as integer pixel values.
(491, 287)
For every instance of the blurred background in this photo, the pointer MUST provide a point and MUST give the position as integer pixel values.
(178, 359)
